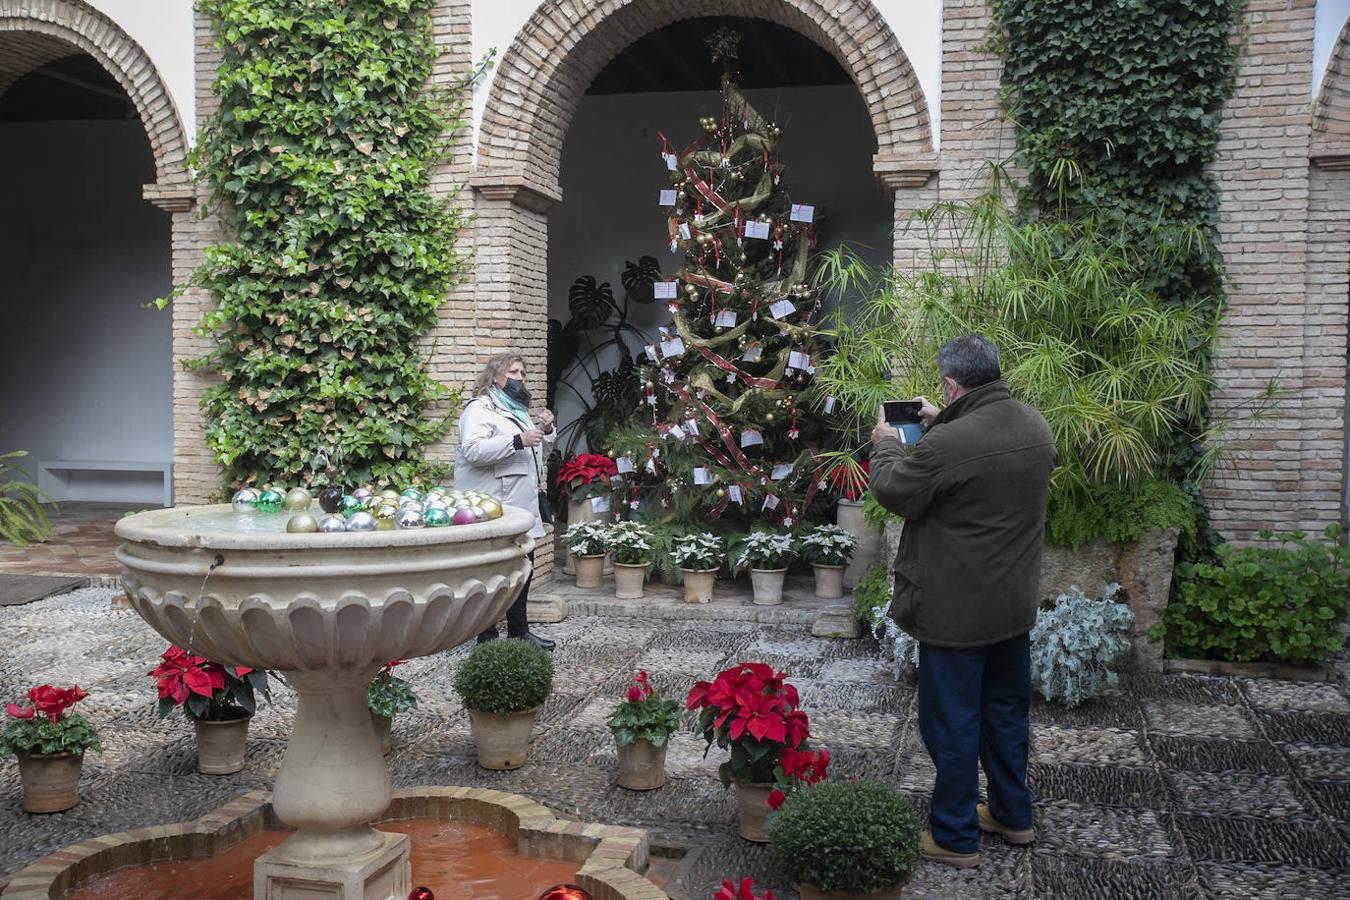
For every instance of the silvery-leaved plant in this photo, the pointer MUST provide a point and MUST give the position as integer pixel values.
(1074, 643)
(827, 545)
(765, 550)
(897, 645)
(586, 538)
(698, 551)
(630, 542)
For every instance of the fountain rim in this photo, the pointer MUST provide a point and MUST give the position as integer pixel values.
(142, 528)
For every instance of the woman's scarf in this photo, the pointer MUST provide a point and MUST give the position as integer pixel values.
(517, 411)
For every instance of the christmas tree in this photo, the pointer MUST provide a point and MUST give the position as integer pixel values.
(728, 383)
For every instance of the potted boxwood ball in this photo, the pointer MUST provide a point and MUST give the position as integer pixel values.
(503, 684)
(49, 742)
(642, 726)
(871, 820)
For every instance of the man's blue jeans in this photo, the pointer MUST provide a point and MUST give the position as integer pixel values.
(974, 711)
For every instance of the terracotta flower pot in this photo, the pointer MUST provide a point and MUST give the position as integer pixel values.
(768, 585)
(383, 724)
(829, 581)
(220, 745)
(50, 780)
(590, 571)
(752, 802)
(698, 585)
(809, 892)
(642, 765)
(503, 741)
(629, 579)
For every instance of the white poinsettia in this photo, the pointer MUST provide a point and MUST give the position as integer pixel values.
(827, 545)
(765, 550)
(697, 550)
(630, 542)
(586, 538)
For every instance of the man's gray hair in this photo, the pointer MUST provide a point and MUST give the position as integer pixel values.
(970, 360)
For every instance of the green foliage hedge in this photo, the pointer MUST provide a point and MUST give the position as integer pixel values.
(505, 676)
(1263, 604)
(1118, 512)
(319, 159)
(845, 836)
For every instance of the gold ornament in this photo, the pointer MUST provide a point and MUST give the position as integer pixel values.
(721, 493)
(651, 384)
(768, 417)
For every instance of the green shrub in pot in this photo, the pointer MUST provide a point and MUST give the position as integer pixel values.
(505, 676)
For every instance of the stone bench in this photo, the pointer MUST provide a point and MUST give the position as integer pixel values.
(107, 480)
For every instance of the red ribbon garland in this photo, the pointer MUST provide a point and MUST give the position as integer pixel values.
(730, 367)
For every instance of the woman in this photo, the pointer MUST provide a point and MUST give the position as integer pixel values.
(502, 452)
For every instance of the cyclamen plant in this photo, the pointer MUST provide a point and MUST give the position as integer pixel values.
(765, 550)
(752, 710)
(388, 695)
(587, 538)
(585, 474)
(630, 542)
(205, 689)
(745, 891)
(699, 551)
(45, 727)
(827, 545)
(644, 715)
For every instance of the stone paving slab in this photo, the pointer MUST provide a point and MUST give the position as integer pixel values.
(1180, 786)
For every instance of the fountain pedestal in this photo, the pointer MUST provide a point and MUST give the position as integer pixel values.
(327, 610)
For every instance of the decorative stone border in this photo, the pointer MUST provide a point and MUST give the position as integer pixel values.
(1319, 672)
(612, 857)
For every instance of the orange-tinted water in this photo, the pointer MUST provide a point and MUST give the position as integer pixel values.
(457, 860)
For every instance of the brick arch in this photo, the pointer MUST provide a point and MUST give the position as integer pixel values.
(36, 32)
(540, 80)
(1331, 111)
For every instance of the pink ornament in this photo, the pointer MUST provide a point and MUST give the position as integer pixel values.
(464, 516)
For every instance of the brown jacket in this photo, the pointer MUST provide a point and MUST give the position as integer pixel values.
(972, 492)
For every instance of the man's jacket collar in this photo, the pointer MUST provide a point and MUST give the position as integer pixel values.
(973, 399)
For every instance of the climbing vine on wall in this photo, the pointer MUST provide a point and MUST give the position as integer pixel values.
(1117, 109)
(319, 159)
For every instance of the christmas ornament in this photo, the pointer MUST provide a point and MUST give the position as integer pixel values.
(464, 516)
(362, 521)
(245, 500)
(479, 514)
(302, 523)
(490, 506)
(383, 513)
(421, 893)
(436, 517)
(270, 501)
(364, 492)
(351, 504)
(330, 498)
(413, 505)
(408, 518)
(388, 494)
(565, 892)
(297, 498)
(332, 524)
(411, 494)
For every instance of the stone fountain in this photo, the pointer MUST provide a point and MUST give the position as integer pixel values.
(326, 611)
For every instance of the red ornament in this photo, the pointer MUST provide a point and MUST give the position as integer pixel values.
(565, 892)
(421, 893)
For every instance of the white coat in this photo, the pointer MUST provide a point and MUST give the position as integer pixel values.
(487, 460)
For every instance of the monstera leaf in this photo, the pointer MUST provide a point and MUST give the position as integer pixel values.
(563, 346)
(617, 398)
(590, 303)
(638, 278)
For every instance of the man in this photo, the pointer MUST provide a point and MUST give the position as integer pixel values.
(967, 585)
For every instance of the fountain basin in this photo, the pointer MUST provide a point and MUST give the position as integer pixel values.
(609, 860)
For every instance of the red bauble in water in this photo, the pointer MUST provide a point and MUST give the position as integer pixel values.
(464, 516)
(421, 893)
(565, 892)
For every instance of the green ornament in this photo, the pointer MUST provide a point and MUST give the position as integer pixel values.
(351, 505)
(271, 501)
(411, 494)
(436, 517)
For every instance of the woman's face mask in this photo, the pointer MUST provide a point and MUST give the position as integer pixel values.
(516, 390)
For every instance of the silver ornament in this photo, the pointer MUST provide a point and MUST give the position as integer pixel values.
(409, 518)
(245, 500)
(332, 524)
(361, 521)
(302, 523)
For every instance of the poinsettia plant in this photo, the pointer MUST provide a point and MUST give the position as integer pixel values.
(796, 769)
(388, 695)
(745, 891)
(205, 689)
(46, 726)
(751, 710)
(644, 715)
(584, 474)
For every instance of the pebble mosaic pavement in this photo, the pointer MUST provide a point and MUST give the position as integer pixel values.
(1179, 786)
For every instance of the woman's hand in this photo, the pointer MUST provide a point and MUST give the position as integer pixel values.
(546, 420)
(532, 438)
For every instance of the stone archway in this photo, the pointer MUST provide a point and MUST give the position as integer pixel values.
(541, 79)
(36, 32)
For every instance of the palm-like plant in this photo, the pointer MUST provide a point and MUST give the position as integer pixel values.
(1114, 367)
(22, 519)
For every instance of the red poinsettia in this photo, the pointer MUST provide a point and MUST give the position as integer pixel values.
(204, 688)
(848, 480)
(752, 710)
(48, 701)
(583, 469)
(745, 891)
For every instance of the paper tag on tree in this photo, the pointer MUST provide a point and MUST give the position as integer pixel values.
(599, 504)
(753, 353)
(800, 212)
(668, 198)
(676, 432)
(751, 438)
(667, 375)
(651, 353)
(782, 470)
(734, 492)
(672, 347)
(634, 504)
(684, 230)
(726, 319)
(691, 427)
(800, 360)
(757, 230)
(651, 466)
(665, 290)
(701, 476)
(770, 502)
(623, 464)
(672, 161)
(781, 309)
(829, 404)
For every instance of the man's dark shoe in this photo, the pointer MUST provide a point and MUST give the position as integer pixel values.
(489, 635)
(540, 642)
